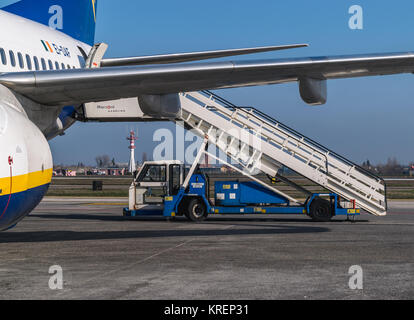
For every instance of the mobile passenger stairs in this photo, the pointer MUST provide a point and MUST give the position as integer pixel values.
(256, 142)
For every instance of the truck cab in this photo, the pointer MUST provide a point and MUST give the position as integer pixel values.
(155, 181)
(158, 189)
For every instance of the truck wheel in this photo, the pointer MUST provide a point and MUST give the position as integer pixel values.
(196, 210)
(320, 210)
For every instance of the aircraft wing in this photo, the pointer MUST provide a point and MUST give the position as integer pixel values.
(69, 87)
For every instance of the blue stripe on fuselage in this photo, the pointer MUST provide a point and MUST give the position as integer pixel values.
(20, 205)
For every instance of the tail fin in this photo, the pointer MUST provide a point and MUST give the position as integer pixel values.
(76, 18)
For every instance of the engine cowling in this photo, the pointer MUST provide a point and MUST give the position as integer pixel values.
(160, 106)
(26, 165)
(313, 91)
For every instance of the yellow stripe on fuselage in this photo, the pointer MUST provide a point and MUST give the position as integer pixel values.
(25, 182)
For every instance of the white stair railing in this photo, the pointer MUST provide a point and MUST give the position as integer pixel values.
(258, 142)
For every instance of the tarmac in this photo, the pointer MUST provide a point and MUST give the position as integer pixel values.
(103, 255)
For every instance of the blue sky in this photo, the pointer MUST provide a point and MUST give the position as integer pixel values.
(366, 118)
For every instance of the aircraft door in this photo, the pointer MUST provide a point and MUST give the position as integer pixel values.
(154, 178)
(174, 179)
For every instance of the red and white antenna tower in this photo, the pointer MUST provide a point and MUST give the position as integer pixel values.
(132, 165)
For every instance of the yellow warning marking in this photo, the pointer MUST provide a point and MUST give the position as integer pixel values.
(26, 181)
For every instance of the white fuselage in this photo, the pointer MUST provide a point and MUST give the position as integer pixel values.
(25, 159)
(35, 41)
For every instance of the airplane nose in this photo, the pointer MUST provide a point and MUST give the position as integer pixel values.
(25, 166)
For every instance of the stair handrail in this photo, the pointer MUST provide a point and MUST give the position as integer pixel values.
(230, 105)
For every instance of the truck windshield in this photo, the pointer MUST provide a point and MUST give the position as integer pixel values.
(153, 173)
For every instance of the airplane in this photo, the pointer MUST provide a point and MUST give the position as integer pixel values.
(45, 78)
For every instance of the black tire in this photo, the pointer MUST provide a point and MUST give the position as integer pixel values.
(320, 210)
(182, 208)
(196, 210)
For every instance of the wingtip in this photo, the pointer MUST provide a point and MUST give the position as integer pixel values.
(302, 45)
(290, 46)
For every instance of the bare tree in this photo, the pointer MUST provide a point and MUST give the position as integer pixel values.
(99, 162)
(103, 161)
(391, 168)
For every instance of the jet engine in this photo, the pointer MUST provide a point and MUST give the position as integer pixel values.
(160, 106)
(25, 162)
(313, 91)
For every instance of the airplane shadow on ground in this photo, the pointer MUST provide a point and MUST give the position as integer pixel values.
(15, 236)
(247, 218)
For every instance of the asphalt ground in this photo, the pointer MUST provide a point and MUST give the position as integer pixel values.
(103, 255)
